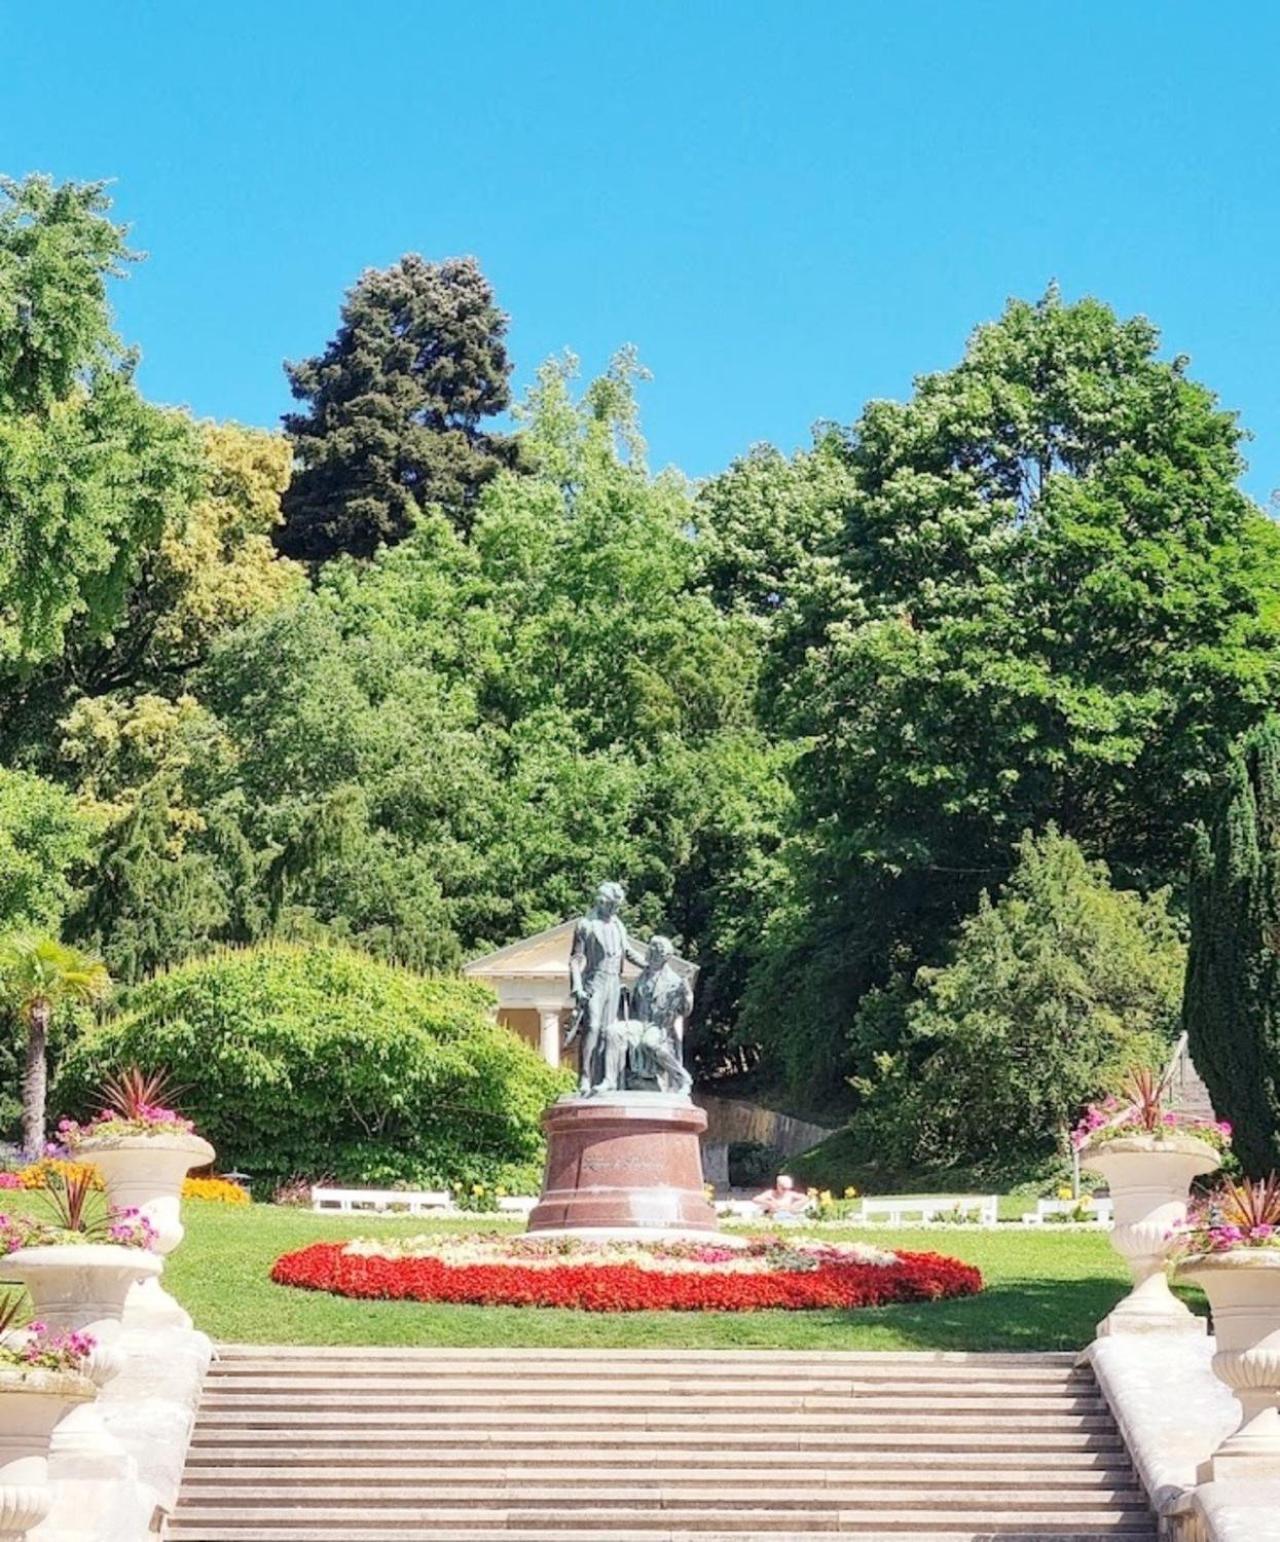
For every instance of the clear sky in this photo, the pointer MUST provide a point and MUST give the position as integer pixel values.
(789, 207)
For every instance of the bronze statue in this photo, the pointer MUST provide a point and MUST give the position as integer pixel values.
(638, 1052)
(600, 947)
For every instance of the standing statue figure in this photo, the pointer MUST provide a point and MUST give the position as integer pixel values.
(600, 948)
(660, 998)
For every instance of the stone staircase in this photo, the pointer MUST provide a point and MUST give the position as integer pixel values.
(477, 1445)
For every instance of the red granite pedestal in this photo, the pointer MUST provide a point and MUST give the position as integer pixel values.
(624, 1165)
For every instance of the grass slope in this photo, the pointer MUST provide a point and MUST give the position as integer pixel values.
(1045, 1289)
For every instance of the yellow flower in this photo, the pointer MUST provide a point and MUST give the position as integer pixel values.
(219, 1190)
(851, 1192)
(825, 1196)
(50, 1172)
(1065, 1193)
(477, 1188)
(500, 1192)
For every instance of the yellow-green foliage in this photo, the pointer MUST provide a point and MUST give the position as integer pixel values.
(322, 1061)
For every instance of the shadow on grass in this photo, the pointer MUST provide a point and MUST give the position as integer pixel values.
(1015, 1315)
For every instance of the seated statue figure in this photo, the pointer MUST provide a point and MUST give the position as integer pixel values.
(659, 999)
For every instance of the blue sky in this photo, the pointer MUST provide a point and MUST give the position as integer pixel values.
(788, 207)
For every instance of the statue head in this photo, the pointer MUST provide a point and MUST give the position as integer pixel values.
(660, 952)
(610, 898)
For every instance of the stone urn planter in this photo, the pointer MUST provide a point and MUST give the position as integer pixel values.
(33, 1403)
(84, 1285)
(146, 1172)
(1243, 1287)
(1150, 1179)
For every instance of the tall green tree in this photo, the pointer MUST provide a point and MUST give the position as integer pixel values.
(1232, 1005)
(89, 472)
(1050, 994)
(449, 745)
(40, 976)
(1047, 601)
(394, 409)
(45, 841)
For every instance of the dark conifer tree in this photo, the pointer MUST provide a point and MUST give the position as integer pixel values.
(1232, 1005)
(393, 410)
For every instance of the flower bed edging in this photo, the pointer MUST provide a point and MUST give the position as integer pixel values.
(594, 1287)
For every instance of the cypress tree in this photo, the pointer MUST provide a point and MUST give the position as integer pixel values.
(1231, 1009)
(394, 410)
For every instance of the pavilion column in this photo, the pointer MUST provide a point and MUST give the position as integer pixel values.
(550, 1038)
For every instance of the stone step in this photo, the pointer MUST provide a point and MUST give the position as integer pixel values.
(523, 1493)
(728, 1421)
(813, 1442)
(307, 1383)
(204, 1480)
(607, 1402)
(419, 1532)
(678, 1359)
(631, 1459)
(199, 1523)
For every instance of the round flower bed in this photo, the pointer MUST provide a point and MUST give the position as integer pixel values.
(769, 1274)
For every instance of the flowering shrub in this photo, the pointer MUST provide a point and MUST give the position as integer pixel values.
(691, 1277)
(958, 1216)
(759, 1256)
(36, 1347)
(74, 1220)
(824, 1206)
(52, 1172)
(127, 1228)
(1238, 1215)
(221, 1191)
(1140, 1110)
(1082, 1210)
(295, 1192)
(133, 1106)
(481, 1198)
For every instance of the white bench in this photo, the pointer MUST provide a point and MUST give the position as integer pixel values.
(382, 1201)
(1100, 1212)
(516, 1204)
(900, 1209)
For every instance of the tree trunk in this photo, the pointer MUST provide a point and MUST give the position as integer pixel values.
(35, 1082)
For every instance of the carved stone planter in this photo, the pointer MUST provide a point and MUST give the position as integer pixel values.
(32, 1405)
(85, 1286)
(1150, 1180)
(1243, 1287)
(146, 1172)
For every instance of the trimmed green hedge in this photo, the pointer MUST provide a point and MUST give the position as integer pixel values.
(323, 1062)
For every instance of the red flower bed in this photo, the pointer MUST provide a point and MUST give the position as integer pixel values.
(624, 1287)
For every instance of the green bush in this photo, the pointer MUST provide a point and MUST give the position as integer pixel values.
(1053, 991)
(322, 1061)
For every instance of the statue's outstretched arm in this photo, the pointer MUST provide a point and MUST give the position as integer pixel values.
(633, 950)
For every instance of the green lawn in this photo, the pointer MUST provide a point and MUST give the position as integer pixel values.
(1045, 1289)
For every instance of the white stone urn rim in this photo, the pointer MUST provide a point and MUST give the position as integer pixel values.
(65, 1384)
(1243, 1257)
(139, 1140)
(1177, 1142)
(87, 1255)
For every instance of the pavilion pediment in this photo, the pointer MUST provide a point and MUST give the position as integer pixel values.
(544, 956)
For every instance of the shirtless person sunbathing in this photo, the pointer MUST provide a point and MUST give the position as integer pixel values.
(783, 1199)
